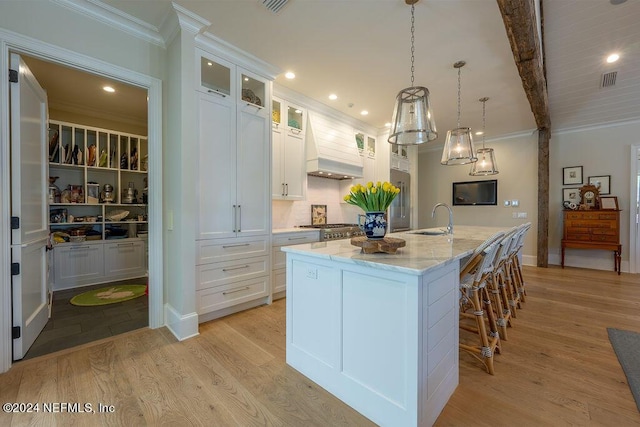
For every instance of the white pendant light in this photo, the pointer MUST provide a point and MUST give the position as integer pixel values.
(486, 164)
(412, 121)
(458, 147)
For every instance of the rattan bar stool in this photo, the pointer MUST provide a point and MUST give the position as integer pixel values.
(498, 284)
(476, 313)
(515, 269)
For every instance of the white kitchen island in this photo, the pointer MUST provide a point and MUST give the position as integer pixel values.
(380, 331)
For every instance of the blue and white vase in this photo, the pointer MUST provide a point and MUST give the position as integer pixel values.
(374, 224)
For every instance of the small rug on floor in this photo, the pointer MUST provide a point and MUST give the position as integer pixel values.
(626, 344)
(109, 295)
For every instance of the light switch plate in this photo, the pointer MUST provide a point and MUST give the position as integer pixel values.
(507, 203)
(515, 203)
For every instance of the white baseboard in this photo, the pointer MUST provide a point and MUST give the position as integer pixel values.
(182, 327)
(234, 309)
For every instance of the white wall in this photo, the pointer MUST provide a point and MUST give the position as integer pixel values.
(600, 151)
(517, 159)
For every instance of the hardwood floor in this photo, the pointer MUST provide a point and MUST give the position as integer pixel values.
(557, 368)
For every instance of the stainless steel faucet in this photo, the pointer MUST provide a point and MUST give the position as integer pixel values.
(433, 215)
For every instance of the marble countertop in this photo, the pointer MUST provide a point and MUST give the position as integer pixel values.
(420, 254)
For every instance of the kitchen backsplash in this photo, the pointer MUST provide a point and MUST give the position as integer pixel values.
(320, 191)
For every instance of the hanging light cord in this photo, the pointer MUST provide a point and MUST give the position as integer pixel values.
(484, 122)
(413, 7)
(459, 107)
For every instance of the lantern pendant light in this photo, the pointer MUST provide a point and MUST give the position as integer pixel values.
(412, 121)
(458, 147)
(486, 164)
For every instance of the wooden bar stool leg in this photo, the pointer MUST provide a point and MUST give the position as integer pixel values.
(484, 351)
(503, 317)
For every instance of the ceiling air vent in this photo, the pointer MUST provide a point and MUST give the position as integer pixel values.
(274, 5)
(608, 79)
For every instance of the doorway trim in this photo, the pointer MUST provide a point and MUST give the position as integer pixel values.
(10, 41)
(634, 230)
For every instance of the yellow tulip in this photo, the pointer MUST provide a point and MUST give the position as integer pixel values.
(347, 197)
(386, 186)
(369, 184)
(374, 190)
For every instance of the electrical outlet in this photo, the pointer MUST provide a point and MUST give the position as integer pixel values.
(522, 214)
(515, 203)
(507, 203)
(312, 273)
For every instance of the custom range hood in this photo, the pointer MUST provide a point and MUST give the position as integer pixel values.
(331, 149)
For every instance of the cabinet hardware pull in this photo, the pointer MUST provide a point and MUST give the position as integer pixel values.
(217, 93)
(235, 268)
(283, 188)
(287, 189)
(258, 107)
(235, 218)
(125, 244)
(296, 238)
(235, 290)
(75, 248)
(240, 220)
(296, 131)
(234, 246)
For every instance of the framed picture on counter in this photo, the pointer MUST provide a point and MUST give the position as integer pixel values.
(609, 202)
(603, 183)
(572, 175)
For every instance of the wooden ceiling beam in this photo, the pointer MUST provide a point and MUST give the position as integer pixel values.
(520, 22)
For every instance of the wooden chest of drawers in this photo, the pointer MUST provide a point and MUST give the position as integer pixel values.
(593, 229)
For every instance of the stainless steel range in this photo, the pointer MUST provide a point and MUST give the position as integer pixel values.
(336, 231)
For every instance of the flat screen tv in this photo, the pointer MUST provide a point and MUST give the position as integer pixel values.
(472, 193)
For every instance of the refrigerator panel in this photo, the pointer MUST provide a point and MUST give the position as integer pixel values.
(400, 209)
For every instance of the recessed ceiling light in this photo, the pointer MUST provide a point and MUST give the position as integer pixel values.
(246, 79)
(333, 97)
(329, 174)
(298, 111)
(364, 112)
(290, 75)
(613, 58)
(108, 89)
(479, 133)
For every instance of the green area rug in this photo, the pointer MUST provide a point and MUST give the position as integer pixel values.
(109, 295)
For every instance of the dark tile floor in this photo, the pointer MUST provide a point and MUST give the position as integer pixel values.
(72, 325)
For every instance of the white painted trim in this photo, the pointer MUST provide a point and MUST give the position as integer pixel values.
(189, 21)
(594, 127)
(5, 212)
(26, 45)
(116, 18)
(633, 196)
(182, 327)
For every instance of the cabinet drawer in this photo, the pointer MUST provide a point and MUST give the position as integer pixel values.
(220, 273)
(287, 239)
(604, 238)
(578, 237)
(218, 250)
(213, 299)
(279, 280)
(76, 265)
(124, 259)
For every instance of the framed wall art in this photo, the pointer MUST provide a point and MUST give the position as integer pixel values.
(603, 182)
(572, 175)
(609, 202)
(571, 195)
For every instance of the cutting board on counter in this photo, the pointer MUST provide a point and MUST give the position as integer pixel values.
(387, 245)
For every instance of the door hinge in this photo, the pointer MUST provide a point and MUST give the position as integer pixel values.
(13, 76)
(15, 222)
(16, 332)
(15, 268)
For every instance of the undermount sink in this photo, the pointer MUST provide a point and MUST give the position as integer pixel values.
(431, 232)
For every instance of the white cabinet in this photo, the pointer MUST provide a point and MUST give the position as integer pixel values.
(93, 262)
(289, 177)
(400, 158)
(233, 156)
(279, 259)
(367, 148)
(233, 262)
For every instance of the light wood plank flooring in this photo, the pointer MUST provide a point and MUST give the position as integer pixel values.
(557, 368)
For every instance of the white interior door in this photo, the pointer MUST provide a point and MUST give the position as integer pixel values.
(29, 177)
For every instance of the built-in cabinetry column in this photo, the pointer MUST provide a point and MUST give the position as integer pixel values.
(289, 178)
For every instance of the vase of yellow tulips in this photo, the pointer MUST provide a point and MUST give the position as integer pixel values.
(374, 200)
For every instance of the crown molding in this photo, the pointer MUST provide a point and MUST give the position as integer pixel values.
(109, 15)
(586, 128)
(189, 21)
